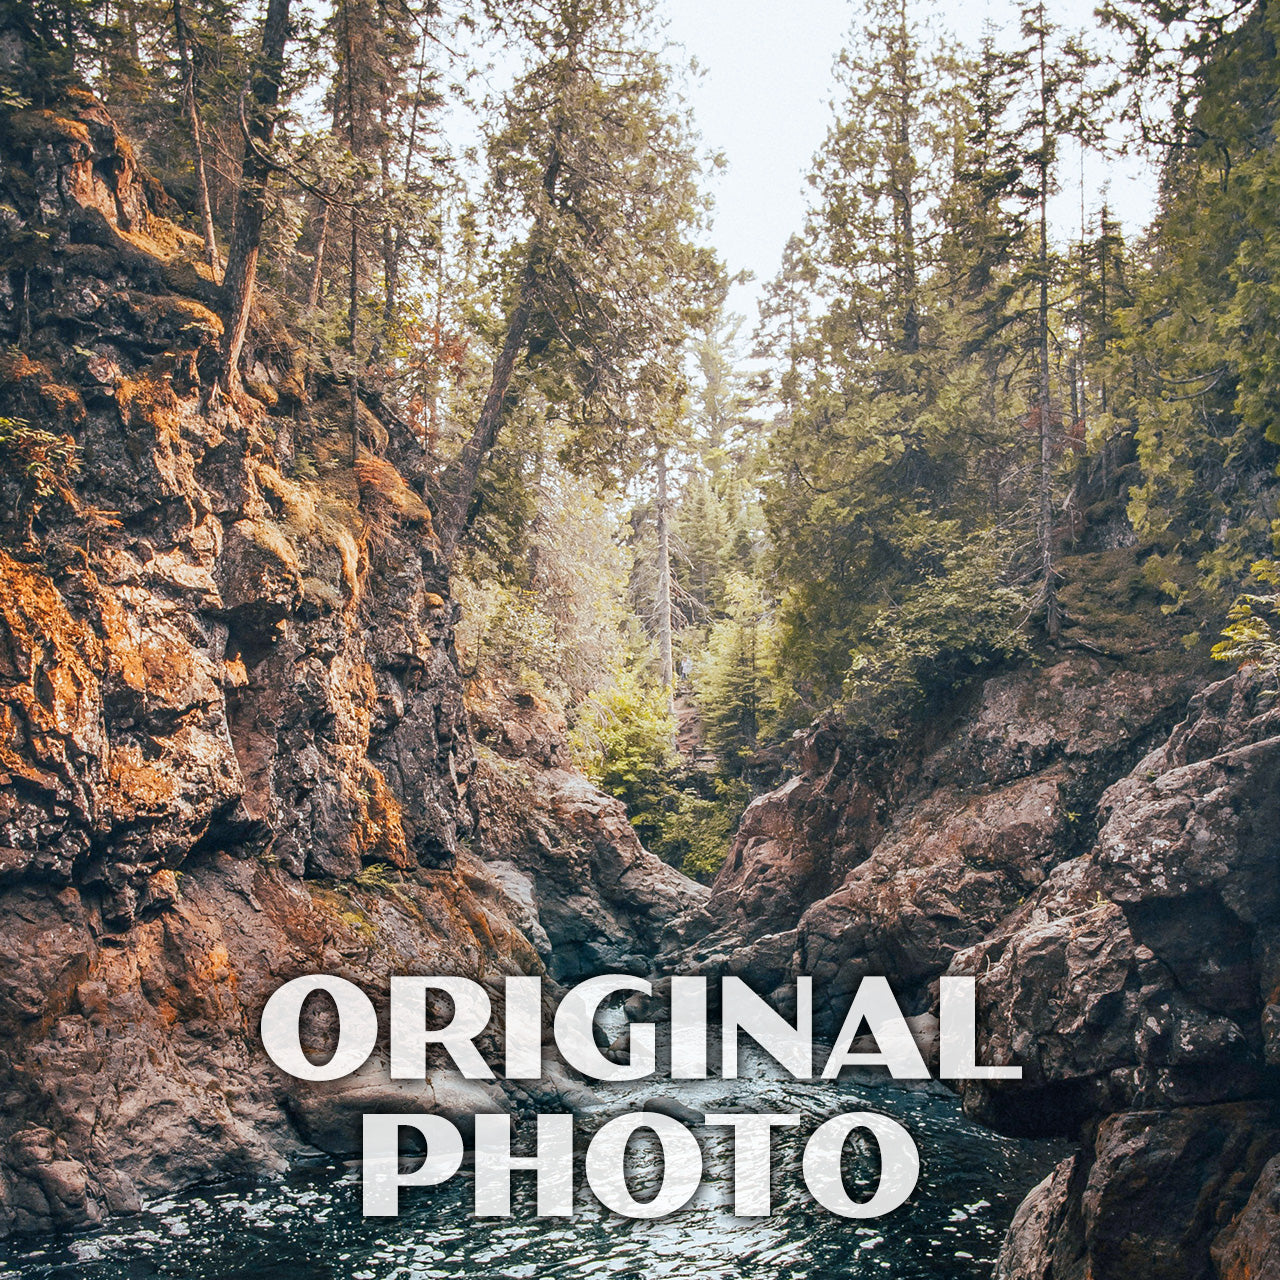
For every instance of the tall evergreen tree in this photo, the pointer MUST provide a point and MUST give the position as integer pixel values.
(596, 166)
(865, 463)
(251, 201)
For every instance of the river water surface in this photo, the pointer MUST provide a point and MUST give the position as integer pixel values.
(310, 1227)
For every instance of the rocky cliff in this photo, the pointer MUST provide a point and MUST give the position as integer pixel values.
(234, 744)
(1140, 989)
(1096, 838)
(889, 856)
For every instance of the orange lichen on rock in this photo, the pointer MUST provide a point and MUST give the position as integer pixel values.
(136, 790)
(47, 663)
(37, 126)
(380, 831)
(385, 499)
(33, 379)
(147, 399)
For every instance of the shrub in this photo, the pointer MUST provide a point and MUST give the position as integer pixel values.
(952, 627)
(39, 464)
(623, 739)
(1250, 635)
(736, 679)
(695, 832)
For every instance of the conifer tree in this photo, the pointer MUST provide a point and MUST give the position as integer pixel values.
(251, 201)
(597, 167)
(863, 465)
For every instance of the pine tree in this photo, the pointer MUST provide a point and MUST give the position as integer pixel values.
(596, 165)
(192, 110)
(865, 461)
(1192, 369)
(251, 201)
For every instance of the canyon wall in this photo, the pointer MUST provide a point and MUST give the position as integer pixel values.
(1095, 837)
(234, 743)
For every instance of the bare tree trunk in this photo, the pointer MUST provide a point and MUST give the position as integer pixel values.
(353, 327)
(197, 138)
(664, 578)
(1049, 584)
(1081, 411)
(353, 278)
(317, 264)
(313, 300)
(459, 480)
(251, 200)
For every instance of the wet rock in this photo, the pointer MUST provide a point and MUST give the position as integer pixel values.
(1040, 1244)
(330, 1115)
(673, 1108)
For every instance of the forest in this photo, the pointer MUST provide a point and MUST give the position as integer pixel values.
(917, 464)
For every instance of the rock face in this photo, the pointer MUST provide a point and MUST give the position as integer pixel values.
(1140, 989)
(1101, 854)
(888, 858)
(598, 901)
(234, 744)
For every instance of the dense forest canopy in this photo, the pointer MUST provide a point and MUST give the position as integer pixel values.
(894, 478)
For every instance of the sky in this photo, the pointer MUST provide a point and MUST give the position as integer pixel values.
(763, 101)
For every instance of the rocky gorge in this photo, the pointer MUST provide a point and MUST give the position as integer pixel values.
(236, 748)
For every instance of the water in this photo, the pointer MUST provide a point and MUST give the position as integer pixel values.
(309, 1226)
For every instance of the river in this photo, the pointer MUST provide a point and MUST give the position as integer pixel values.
(309, 1226)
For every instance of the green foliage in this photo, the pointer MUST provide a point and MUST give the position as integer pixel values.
(903, 431)
(45, 461)
(955, 625)
(1250, 636)
(39, 465)
(623, 738)
(545, 594)
(1195, 363)
(736, 679)
(504, 629)
(377, 877)
(695, 831)
(592, 161)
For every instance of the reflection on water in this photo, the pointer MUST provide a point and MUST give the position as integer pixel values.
(310, 1227)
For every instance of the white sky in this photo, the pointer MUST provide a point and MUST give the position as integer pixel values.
(764, 102)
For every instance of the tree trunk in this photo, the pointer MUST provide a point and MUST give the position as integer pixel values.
(905, 195)
(353, 333)
(459, 480)
(1049, 585)
(197, 138)
(664, 577)
(251, 200)
(317, 265)
(1080, 411)
(353, 264)
(313, 301)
